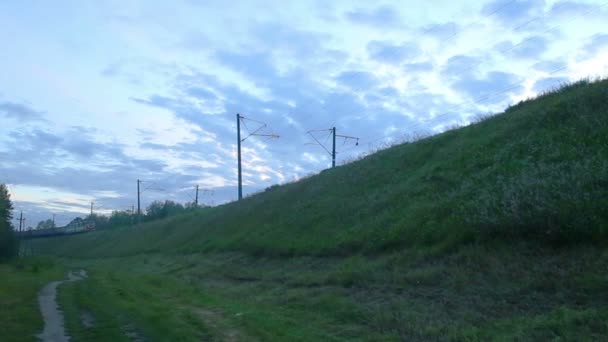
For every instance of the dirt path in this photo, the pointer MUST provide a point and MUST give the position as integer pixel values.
(52, 316)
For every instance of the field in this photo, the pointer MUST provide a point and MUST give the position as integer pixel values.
(20, 282)
(494, 231)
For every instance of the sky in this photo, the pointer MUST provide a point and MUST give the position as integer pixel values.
(95, 95)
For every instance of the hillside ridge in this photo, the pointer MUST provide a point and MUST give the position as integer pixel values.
(537, 171)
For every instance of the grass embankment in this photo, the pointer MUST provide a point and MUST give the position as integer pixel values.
(497, 229)
(539, 170)
(20, 282)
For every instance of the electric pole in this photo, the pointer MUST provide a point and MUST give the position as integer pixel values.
(92, 209)
(138, 203)
(261, 126)
(54, 218)
(139, 192)
(23, 250)
(332, 131)
(333, 147)
(20, 232)
(196, 198)
(238, 136)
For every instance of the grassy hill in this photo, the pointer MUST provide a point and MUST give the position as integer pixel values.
(494, 230)
(539, 170)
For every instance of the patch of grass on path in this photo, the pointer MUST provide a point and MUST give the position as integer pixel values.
(20, 281)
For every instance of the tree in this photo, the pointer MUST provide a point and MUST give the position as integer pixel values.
(193, 206)
(100, 221)
(190, 206)
(159, 210)
(155, 211)
(77, 222)
(173, 208)
(9, 245)
(46, 224)
(121, 218)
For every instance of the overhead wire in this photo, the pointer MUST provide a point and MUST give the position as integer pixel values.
(496, 11)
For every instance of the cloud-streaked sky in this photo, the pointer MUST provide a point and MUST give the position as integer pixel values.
(96, 94)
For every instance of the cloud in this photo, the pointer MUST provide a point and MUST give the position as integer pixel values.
(195, 41)
(598, 42)
(530, 47)
(19, 111)
(441, 31)
(357, 80)
(293, 86)
(153, 146)
(509, 12)
(293, 74)
(37, 139)
(187, 108)
(418, 67)
(112, 69)
(461, 66)
(112, 188)
(390, 53)
(549, 83)
(495, 87)
(295, 106)
(388, 92)
(343, 104)
(201, 93)
(299, 43)
(423, 105)
(293, 109)
(50, 157)
(258, 66)
(550, 66)
(572, 8)
(383, 16)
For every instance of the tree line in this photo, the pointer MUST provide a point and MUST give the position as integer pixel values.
(155, 211)
(9, 244)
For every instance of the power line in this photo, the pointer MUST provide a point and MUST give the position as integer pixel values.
(334, 136)
(496, 11)
(196, 200)
(256, 132)
(139, 192)
(330, 133)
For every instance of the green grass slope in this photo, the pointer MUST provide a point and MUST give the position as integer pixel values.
(538, 171)
(495, 231)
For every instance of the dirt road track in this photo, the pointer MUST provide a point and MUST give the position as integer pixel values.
(54, 330)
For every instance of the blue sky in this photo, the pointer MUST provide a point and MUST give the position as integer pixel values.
(96, 94)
